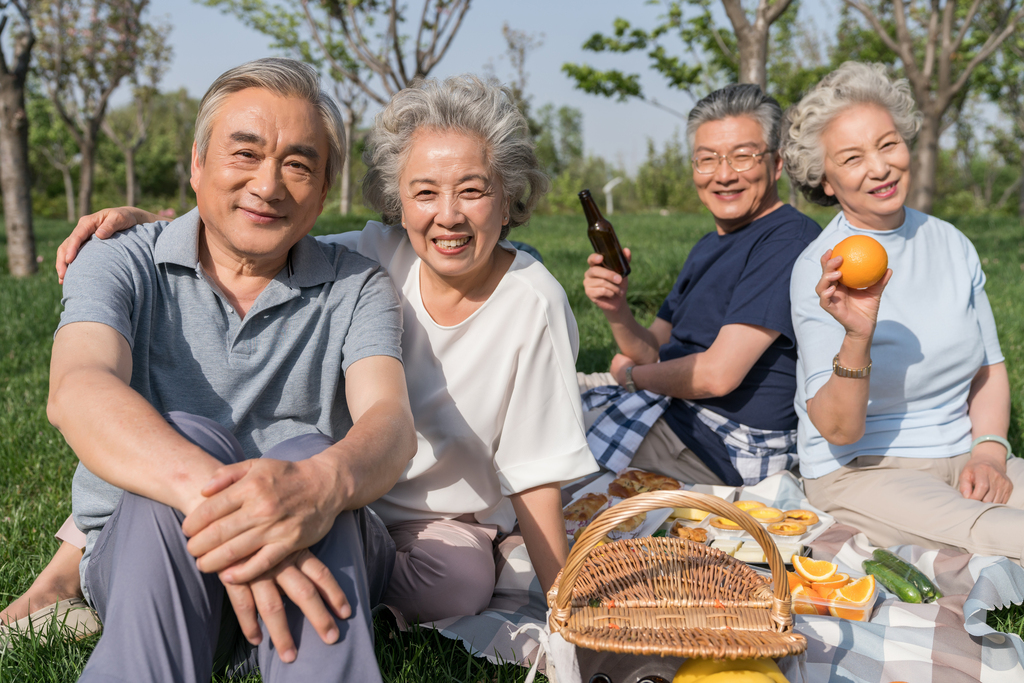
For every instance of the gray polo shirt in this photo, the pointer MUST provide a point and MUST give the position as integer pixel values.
(275, 374)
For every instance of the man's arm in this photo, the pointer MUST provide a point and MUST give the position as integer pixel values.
(715, 372)
(607, 289)
(113, 430)
(260, 511)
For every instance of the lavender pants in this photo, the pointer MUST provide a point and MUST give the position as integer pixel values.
(164, 620)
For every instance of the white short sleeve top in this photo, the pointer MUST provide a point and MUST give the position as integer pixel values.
(495, 398)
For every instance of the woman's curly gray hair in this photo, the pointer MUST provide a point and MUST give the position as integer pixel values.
(463, 104)
(851, 84)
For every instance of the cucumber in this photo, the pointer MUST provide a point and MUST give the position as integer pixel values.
(929, 591)
(905, 590)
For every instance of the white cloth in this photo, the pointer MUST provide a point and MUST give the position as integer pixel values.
(494, 398)
(935, 330)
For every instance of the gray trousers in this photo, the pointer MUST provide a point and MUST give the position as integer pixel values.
(162, 617)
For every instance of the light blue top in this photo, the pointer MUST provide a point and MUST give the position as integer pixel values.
(272, 375)
(935, 330)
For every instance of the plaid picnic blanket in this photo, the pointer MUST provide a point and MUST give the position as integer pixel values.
(944, 642)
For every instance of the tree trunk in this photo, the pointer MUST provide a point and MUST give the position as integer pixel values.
(753, 49)
(69, 192)
(346, 168)
(924, 163)
(131, 182)
(15, 176)
(85, 175)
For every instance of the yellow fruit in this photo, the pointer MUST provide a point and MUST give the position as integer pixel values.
(814, 570)
(864, 261)
(736, 677)
(694, 670)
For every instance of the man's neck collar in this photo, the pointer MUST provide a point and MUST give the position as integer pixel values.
(731, 228)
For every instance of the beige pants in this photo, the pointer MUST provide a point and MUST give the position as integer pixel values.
(916, 500)
(443, 568)
(661, 450)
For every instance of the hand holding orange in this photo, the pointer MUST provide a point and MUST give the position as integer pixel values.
(864, 261)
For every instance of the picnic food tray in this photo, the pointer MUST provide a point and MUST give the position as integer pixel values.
(672, 597)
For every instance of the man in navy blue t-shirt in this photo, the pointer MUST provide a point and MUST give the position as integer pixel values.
(722, 345)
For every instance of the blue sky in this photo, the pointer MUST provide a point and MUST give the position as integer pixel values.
(207, 43)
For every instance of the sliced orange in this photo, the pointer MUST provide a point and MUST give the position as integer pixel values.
(814, 570)
(800, 607)
(838, 580)
(858, 592)
(795, 580)
(853, 613)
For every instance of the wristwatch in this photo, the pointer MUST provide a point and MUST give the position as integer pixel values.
(841, 371)
(630, 384)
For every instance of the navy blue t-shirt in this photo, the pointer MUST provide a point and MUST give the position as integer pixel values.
(739, 278)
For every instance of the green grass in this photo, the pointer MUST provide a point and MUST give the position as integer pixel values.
(36, 465)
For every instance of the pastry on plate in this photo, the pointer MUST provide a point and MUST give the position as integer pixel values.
(803, 516)
(583, 508)
(723, 523)
(766, 515)
(680, 530)
(748, 505)
(787, 528)
(632, 482)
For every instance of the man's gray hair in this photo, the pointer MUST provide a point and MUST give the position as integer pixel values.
(743, 99)
(851, 84)
(285, 78)
(462, 104)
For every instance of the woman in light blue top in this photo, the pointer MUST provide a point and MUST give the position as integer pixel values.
(903, 397)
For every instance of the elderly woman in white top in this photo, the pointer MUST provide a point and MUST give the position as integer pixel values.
(489, 345)
(902, 392)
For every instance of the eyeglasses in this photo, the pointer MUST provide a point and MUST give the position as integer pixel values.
(708, 162)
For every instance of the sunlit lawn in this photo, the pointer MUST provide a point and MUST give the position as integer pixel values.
(36, 466)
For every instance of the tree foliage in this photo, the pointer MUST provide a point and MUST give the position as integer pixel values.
(688, 48)
(939, 46)
(86, 49)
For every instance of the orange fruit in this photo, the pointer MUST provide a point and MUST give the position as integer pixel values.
(858, 592)
(800, 593)
(795, 580)
(838, 580)
(814, 570)
(864, 261)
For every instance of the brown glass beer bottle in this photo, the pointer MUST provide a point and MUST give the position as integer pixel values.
(602, 236)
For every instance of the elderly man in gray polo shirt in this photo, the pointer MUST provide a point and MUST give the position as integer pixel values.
(235, 394)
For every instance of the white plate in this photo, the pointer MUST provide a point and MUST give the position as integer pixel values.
(824, 522)
(655, 518)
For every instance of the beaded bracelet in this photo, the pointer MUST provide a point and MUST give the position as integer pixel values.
(998, 439)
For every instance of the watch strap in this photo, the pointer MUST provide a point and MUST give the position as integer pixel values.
(855, 373)
(630, 384)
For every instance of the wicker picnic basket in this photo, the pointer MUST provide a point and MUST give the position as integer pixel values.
(669, 596)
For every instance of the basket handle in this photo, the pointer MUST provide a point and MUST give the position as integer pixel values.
(613, 516)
